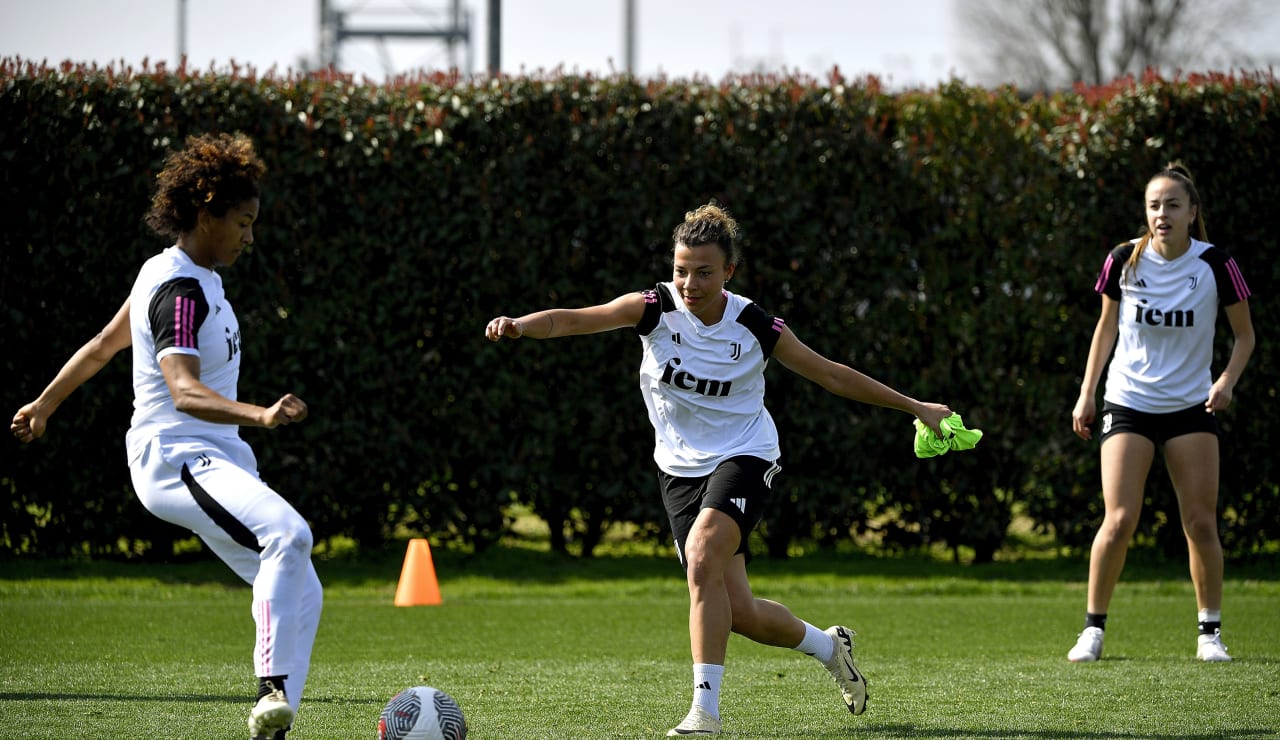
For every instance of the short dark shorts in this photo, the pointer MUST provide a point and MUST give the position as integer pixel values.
(1159, 428)
(739, 486)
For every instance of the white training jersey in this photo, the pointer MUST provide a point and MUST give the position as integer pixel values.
(1168, 309)
(704, 385)
(178, 307)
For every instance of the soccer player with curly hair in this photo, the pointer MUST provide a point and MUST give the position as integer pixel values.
(188, 463)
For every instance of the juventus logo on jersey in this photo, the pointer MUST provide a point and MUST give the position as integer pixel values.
(675, 337)
(203, 460)
(736, 352)
(1194, 279)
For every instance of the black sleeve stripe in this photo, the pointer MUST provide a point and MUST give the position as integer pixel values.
(765, 328)
(1226, 273)
(177, 311)
(656, 302)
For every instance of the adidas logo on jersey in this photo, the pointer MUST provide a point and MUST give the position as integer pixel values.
(741, 503)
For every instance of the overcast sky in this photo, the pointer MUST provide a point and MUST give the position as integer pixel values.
(908, 43)
(905, 43)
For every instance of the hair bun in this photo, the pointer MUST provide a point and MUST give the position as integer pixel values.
(1180, 168)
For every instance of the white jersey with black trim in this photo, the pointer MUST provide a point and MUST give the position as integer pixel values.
(1168, 309)
(178, 307)
(704, 385)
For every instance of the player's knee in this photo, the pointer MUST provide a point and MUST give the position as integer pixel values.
(702, 573)
(1201, 526)
(1119, 525)
(293, 537)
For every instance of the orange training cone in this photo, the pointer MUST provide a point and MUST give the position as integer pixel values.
(418, 585)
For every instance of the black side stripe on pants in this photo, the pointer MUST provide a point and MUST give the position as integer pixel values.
(219, 515)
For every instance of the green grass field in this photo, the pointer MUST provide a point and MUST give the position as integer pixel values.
(536, 646)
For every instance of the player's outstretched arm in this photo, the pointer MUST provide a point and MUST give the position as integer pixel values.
(30, 421)
(626, 310)
(846, 382)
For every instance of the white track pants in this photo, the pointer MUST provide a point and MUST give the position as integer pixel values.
(211, 486)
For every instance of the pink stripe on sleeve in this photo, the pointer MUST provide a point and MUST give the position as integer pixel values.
(1237, 279)
(1104, 275)
(177, 321)
(183, 318)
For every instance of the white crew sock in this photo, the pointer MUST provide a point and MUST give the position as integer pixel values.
(816, 643)
(706, 687)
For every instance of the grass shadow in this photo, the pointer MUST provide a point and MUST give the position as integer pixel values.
(538, 565)
(906, 730)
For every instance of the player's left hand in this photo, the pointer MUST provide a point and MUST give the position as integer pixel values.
(1219, 396)
(932, 414)
(288, 410)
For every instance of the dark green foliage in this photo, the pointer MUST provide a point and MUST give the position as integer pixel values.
(944, 242)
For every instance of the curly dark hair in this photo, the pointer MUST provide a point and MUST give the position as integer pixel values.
(710, 224)
(212, 172)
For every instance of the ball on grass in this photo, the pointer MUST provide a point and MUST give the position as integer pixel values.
(422, 713)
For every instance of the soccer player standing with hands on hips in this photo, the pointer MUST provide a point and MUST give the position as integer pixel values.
(1160, 299)
(188, 463)
(716, 446)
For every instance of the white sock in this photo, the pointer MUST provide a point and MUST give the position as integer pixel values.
(1210, 615)
(706, 687)
(816, 643)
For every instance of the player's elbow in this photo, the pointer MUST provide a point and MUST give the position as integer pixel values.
(186, 398)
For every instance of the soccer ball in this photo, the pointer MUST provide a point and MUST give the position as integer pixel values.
(422, 713)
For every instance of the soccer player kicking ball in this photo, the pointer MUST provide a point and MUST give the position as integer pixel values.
(716, 446)
(187, 460)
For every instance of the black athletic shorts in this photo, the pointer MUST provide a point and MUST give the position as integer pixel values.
(739, 486)
(1159, 428)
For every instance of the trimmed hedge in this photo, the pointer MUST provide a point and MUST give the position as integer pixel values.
(943, 241)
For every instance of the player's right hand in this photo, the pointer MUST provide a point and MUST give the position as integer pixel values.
(28, 423)
(503, 326)
(1082, 417)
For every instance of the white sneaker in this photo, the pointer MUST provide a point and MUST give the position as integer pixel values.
(853, 685)
(1210, 648)
(270, 715)
(698, 722)
(1088, 648)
